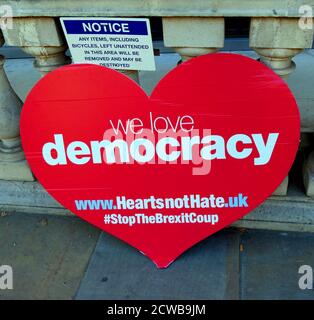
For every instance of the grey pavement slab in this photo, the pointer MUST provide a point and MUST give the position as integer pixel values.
(270, 262)
(48, 254)
(56, 258)
(209, 270)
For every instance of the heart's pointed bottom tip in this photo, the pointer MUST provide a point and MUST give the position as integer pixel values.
(160, 264)
(163, 264)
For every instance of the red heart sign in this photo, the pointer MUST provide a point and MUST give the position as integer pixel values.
(215, 139)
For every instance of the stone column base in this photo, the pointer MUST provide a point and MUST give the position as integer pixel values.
(308, 175)
(133, 74)
(15, 170)
(282, 189)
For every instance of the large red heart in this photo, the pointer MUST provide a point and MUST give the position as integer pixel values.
(249, 110)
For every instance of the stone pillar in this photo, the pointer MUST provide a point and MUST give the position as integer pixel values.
(308, 174)
(193, 36)
(277, 41)
(13, 165)
(40, 37)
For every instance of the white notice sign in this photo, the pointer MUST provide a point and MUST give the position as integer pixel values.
(117, 43)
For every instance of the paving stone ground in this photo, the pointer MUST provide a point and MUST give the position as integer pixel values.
(66, 258)
(48, 254)
(208, 271)
(270, 262)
